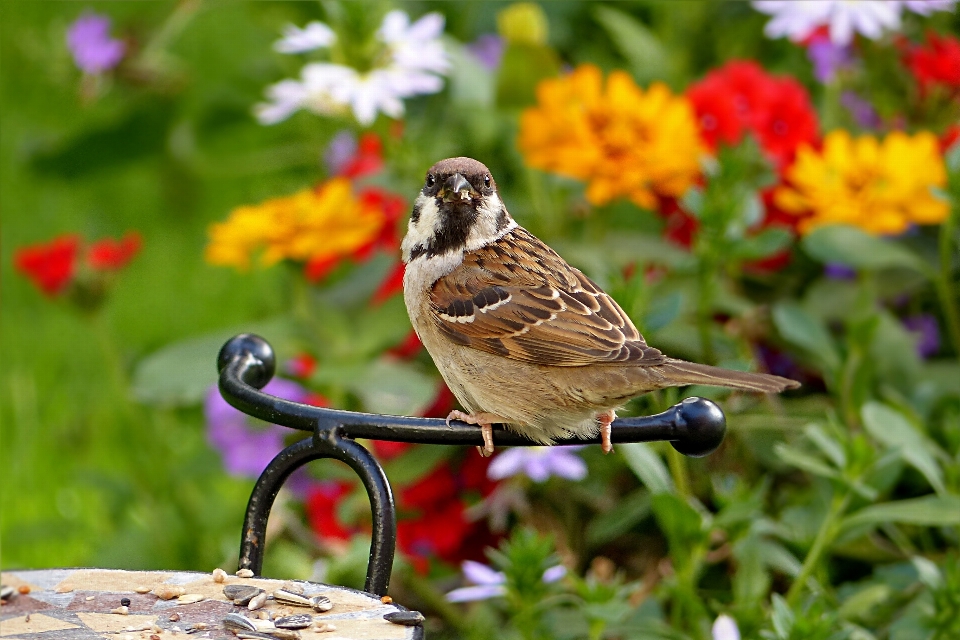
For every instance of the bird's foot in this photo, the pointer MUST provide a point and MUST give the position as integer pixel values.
(486, 422)
(605, 419)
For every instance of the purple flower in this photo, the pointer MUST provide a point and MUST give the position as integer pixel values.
(492, 584)
(924, 326)
(488, 49)
(839, 271)
(94, 51)
(725, 628)
(538, 463)
(246, 449)
(862, 111)
(828, 58)
(342, 149)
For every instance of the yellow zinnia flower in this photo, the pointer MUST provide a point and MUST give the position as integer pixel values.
(325, 223)
(881, 187)
(622, 140)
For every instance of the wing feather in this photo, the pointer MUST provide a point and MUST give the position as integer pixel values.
(517, 298)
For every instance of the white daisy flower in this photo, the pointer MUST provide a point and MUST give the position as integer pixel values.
(844, 18)
(315, 35)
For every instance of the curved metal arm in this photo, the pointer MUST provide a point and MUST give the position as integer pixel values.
(694, 427)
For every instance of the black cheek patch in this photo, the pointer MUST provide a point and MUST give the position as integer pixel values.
(415, 214)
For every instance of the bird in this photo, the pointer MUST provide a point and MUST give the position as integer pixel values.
(521, 337)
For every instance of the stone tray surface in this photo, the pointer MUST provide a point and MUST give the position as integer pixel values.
(76, 604)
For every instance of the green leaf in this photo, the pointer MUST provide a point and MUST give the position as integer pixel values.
(394, 388)
(751, 581)
(828, 445)
(648, 58)
(648, 466)
(763, 244)
(860, 603)
(805, 462)
(803, 330)
(894, 430)
(180, 373)
(782, 618)
(680, 523)
(927, 511)
(858, 249)
(624, 516)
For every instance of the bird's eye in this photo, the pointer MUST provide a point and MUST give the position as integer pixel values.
(431, 179)
(486, 180)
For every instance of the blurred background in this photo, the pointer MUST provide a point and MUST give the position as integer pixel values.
(768, 186)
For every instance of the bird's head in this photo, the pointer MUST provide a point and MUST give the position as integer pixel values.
(458, 209)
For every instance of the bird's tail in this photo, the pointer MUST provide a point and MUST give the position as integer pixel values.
(681, 372)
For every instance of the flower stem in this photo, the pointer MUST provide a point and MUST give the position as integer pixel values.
(678, 469)
(944, 284)
(828, 530)
(177, 22)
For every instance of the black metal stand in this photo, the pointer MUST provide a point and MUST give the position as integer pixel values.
(694, 427)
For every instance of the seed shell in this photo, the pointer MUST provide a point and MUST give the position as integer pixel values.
(298, 621)
(6, 592)
(244, 573)
(321, 603)
(241, 594)
(191, 598)
(254, 635)
(169, 591)
(282, 595)
(236, 622)
(257, 601)
(405, 618)
(292, 587)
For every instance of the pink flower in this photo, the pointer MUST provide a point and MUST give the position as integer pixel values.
(94, 51)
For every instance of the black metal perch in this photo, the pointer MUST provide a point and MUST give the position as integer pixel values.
(694, 427)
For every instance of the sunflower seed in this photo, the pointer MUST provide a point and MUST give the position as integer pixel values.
(254, 635)
(241, 594)
(257, 601)
(405, 618)
(142, 589)
(7, 592)
(321, 603)
(292, 587)
(285, 634)
(298, 621)
(286, 597)
(236, 622)
(191, 598)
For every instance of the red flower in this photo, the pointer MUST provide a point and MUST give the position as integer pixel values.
(937, 63)
(301, 365)
(741, 97)
(392, 207)
(322, 510)
(50, 266)
(367, 160)
(113, 255)
(407, 349)
(949, 138)
(391, 285)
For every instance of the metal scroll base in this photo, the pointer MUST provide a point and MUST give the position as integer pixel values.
(694, 427)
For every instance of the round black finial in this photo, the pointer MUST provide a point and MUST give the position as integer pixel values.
(250, 344)
(701, 426)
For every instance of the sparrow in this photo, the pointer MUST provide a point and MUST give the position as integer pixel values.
(520, 337)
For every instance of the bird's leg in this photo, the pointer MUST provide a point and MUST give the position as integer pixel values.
(486, 422)
(605, 419)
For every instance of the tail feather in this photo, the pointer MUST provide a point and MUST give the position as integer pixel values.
(681, 372)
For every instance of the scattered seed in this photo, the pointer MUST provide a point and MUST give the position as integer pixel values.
(262, 614)
(168, 591)
(236, 622)
(285, 634)
(321, 603)
(254, 635)
(154, 637)
(142, 589)
(6, 592)
(174, 617)
(191, 598)
(125, 602)
(263, 626)
(89, 598)
(286, 597)
(405, 618)
(298, 621)
(386, 600)
(64, 589)
(257, 601)
(198, 626)
(27, 618)
(292, 587)
(121, 610)
(241, 594)
(23, 589)
(322, 627)
(244, 573)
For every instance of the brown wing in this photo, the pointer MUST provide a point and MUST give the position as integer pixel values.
(517, 298)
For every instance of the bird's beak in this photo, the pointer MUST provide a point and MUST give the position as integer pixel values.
(457, 188)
